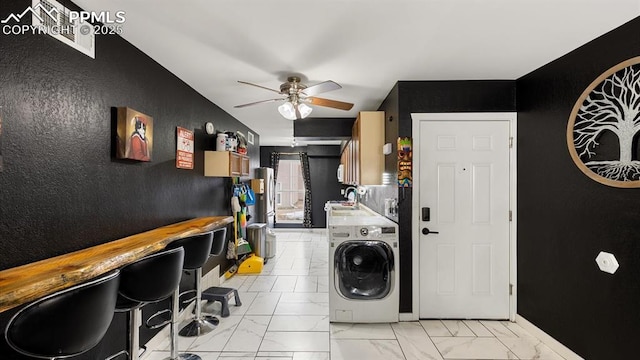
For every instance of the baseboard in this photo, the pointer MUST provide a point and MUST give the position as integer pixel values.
(552, 343)
(212, 278)
(408, 317)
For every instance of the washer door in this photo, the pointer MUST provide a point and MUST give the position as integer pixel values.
(363, 269)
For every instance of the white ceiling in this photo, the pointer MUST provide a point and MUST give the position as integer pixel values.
(364, 45)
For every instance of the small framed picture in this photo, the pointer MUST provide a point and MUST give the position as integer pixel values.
(134, 135)
(184, 148)
(250, 137)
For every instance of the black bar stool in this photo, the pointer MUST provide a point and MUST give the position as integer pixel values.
(197, 249)
(196, 253)
(66, 323)
(216, 293)
(150, 279)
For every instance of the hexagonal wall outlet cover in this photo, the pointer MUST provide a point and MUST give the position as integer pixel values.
(607, 262)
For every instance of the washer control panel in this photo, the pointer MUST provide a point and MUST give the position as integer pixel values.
(363, 232)
(375, 232)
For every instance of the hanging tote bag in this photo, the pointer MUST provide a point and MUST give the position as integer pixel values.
(251, 196)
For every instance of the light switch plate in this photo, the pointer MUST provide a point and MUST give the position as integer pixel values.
(607, 262)
(386, 149)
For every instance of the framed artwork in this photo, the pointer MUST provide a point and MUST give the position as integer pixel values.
(184, 148)
(603, 128)
(134, 135)
(405, 162)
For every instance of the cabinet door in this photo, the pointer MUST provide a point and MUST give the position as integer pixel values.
(354, 164)
(355, 136)
(348, 164)
(235, 165)
(244, 165)
(343, 163)
(369, 137)
(344, 160)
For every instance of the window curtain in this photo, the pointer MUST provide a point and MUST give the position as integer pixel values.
(275, 160)
(306, 176)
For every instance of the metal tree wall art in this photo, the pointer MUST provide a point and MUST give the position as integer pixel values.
(604, 125)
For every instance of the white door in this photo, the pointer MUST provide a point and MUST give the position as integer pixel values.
(464, 181)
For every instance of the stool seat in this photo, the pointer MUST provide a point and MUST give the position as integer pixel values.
(223, 295)
(66, 323)
(150, 279)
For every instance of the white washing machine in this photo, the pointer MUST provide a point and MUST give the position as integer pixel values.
(363, 271)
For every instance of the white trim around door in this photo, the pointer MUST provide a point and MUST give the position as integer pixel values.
(511, 117)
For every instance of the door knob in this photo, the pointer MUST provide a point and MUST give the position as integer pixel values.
(426, 231)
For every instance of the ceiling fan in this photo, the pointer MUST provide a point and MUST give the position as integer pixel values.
(297, 95)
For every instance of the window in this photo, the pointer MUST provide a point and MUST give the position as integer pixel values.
(289, 193)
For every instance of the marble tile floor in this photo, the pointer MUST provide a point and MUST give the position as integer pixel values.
(285, 316)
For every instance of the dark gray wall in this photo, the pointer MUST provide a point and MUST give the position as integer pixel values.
(61, 188)
(323, 129)
(323, 164)
(565, 219)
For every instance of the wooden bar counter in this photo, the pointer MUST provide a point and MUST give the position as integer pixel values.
(29, 282)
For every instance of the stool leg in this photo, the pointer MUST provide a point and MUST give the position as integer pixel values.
(175, 312)
(199, 325)
(134, 335)
(238, 303)
(133, 340)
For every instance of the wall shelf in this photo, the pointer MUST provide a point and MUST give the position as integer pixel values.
(32, 281)
(225, 164)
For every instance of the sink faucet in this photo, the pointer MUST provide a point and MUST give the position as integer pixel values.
(356, 197)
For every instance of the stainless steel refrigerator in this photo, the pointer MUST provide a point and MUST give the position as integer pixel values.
(265, 207)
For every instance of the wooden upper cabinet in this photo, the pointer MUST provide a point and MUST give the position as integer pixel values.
(362, 157)
(225, 164)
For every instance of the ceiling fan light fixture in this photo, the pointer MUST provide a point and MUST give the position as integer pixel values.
(304, 110)
(298, 95)
(287, 110)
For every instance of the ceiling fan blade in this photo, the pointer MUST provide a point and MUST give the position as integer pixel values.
(260, 86)
(321, 88)
(330, 103)
(258, 102)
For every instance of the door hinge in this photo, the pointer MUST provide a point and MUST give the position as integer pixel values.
(510, 142)
(510, 289)
(510, 215)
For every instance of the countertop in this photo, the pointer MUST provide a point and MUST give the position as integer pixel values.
(32, 281)
(361, 216)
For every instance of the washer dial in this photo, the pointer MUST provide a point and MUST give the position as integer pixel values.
(364, 231)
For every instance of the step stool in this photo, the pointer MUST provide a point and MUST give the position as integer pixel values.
(222, 295)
